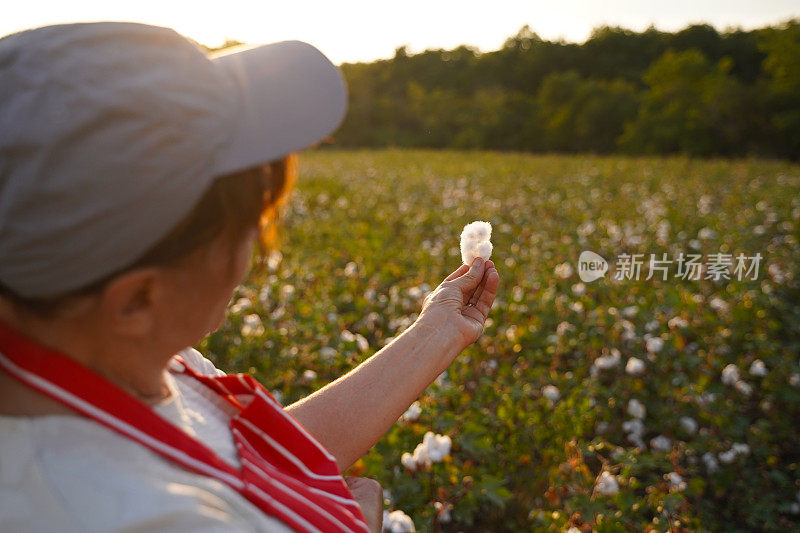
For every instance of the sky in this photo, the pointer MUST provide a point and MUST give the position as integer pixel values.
(357, 30)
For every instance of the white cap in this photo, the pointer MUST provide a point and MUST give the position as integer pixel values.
(110, 133)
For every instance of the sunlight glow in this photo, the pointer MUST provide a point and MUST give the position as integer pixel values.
(356, 30)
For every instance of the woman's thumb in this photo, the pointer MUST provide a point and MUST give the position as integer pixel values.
(469, 281)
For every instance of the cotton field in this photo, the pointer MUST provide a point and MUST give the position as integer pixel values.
(662, 395)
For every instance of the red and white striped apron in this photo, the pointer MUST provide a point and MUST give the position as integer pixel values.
(284, 471)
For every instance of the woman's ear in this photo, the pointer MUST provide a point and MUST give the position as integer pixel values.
(129, 303)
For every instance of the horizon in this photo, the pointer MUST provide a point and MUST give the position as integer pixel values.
(357, 32)
(721, 31)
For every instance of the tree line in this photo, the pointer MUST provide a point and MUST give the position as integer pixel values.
(696, 91)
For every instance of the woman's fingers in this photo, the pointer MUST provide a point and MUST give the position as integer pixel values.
(472, 300)
(477, 294)
(490, 287)
(470, 279)
(457, 272)
(484, 296)
(369, 496)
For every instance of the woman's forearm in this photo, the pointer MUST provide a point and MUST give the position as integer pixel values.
(351, 414)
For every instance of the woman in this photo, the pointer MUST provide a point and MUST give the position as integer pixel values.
(136, 175)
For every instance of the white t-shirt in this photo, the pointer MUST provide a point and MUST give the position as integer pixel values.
(67, 473)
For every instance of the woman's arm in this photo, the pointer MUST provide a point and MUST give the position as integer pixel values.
(349, 415)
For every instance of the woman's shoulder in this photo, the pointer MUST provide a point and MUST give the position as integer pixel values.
(25, 502)
(74, 474)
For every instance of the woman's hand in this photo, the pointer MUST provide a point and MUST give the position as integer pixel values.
(369, 495)
(461, 303)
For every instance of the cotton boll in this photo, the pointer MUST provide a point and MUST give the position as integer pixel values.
(654, 344)
(477, 231)
(710, 461)
(241, 305)
(740, 448)
(605, 362)
(676, 481)
(443, 511)
(551, 392)
(744, 387)
(633, 427)
(607, 484)
(438, 446)
(252, 326)
(412, 413)
(563, 270)
(328, 353)
(636, 409)
(483, 249)
(730, 374)
(688, 424)
(420, 457)
(398, 522)
(407, 460)
(758, 368)
(727, 457)
(660, 443)
(362, 342)
(475, 241)
(635, 366)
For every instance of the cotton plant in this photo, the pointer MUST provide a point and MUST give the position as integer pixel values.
(552, 393)
(252, 326)
(361, 342)
(736, 449)
(605, 362)
(397, 522)
(654, 344)
(636, 409)
(563, 270)
(758, 368)
(698, 415)
(411, 414)
(606, 484)
(661, 443)
(711, 462)
(731, 376)
(475, 241)
(443, 511)
(635, 367)
(676, 482)
(688, 424)
(634, 430)
(433, 449)
(308, 376)
(241, 304)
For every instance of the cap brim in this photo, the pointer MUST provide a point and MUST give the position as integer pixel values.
(291, 96)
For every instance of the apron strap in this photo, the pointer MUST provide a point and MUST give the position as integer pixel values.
(278, 484)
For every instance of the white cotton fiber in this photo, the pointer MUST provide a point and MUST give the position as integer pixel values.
(475, 241)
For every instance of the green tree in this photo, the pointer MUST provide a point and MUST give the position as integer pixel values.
(612, 52)
(724, 93)
(691, 106)
(780, 88)
(583, 114)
